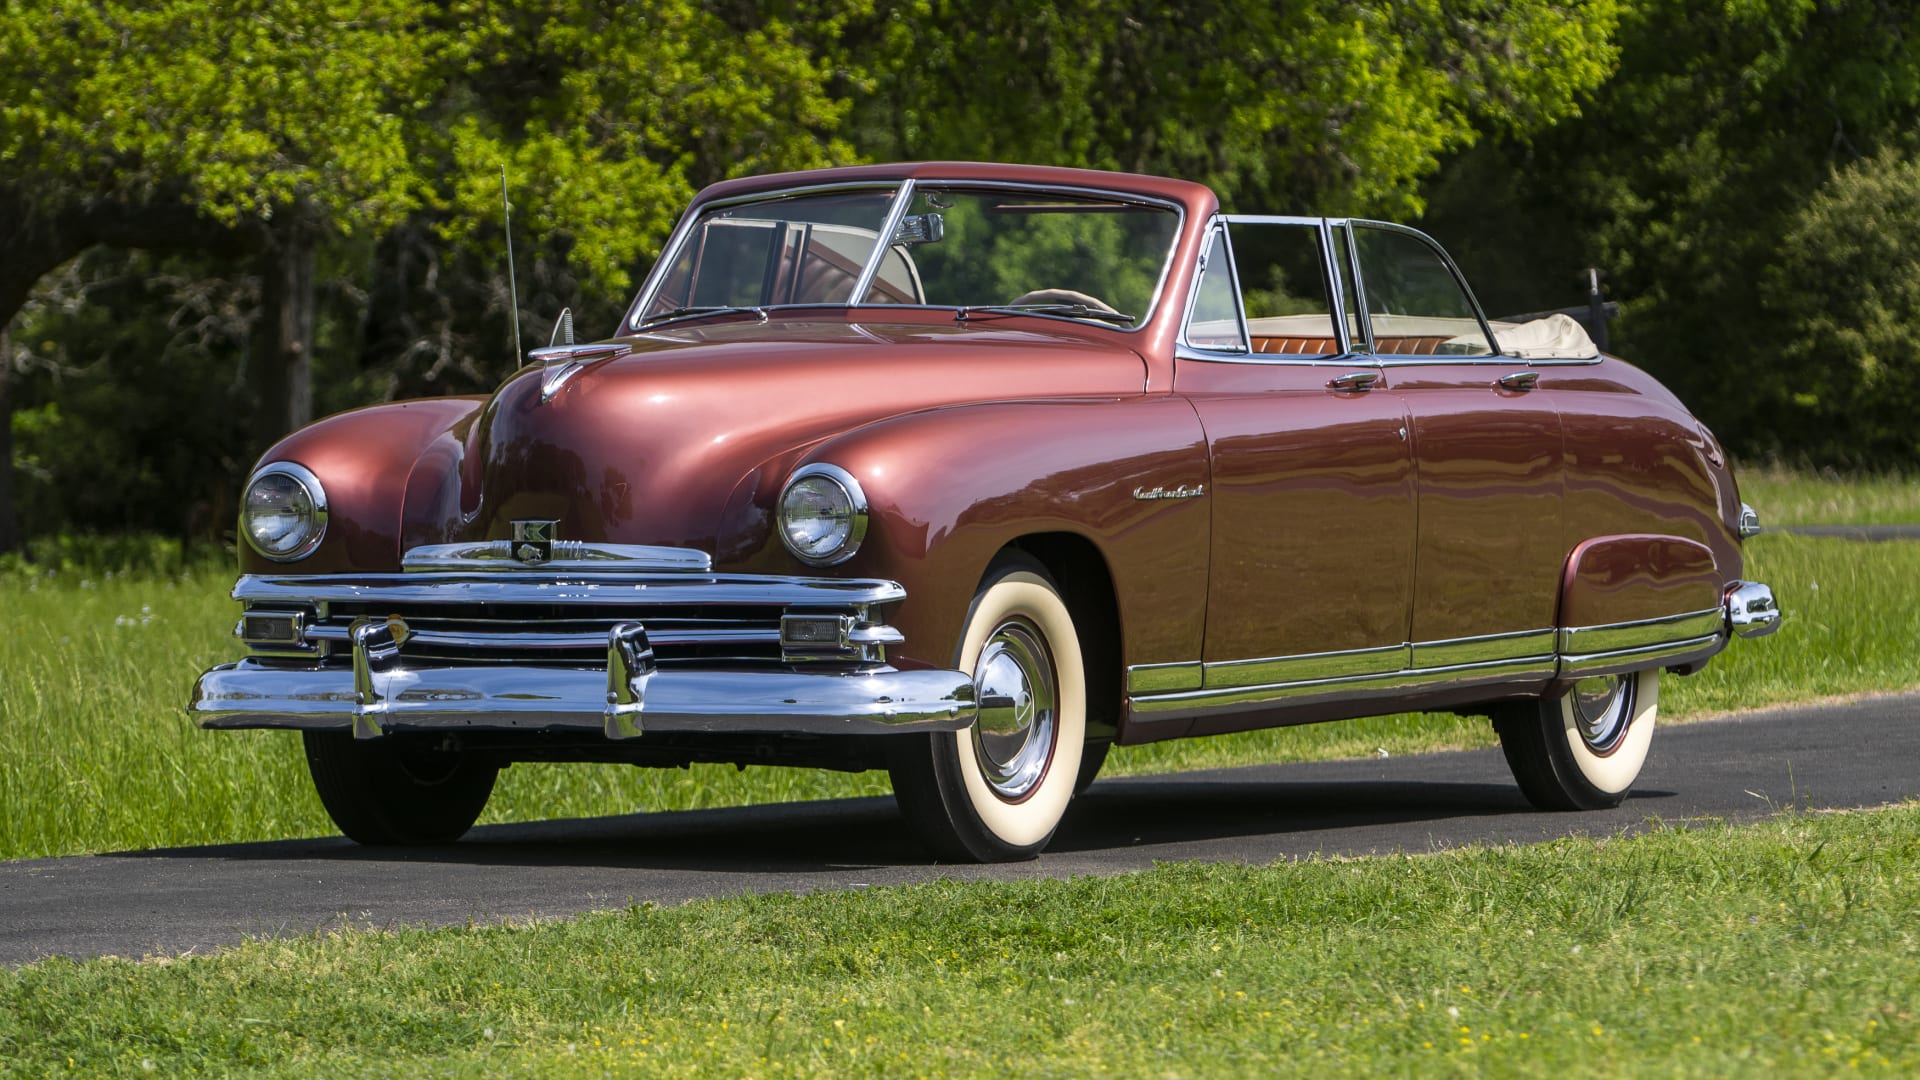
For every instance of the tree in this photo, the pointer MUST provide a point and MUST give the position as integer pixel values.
(289, 136)
(1683, 177)
(1847, 294)
(1325, 106)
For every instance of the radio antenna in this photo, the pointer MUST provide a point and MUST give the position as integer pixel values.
(513, 290)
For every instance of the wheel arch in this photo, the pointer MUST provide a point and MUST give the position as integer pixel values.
(1080, 570)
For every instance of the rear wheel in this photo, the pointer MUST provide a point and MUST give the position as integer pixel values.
(398, 789)
(1584, 750)
(997, 791)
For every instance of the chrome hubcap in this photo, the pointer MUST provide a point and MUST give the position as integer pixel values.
(1013, 737)
(1602, 706)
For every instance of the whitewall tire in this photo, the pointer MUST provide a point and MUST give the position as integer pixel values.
(1583, 750)
(997, 791)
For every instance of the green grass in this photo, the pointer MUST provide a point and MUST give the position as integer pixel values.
(1787, 496)
(1788, 948)
(96, 753)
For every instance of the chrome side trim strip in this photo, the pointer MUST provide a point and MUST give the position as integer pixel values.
(1359, 674)
(1632, 636)
(1226, 700)
(1163, 678)
(1314, 667)
(1477, 650)
(1658, 653)
(571, 555)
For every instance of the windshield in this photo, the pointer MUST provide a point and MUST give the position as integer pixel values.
(965, 247)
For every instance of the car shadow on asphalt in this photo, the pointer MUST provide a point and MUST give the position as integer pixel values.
(1172, 817)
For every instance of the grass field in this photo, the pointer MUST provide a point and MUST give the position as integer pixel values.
(1790, 948)
(1785, 496)
(96, 754)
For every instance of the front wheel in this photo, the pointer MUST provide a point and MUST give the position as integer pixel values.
(996, 791)
(399, 789)
(1583, 750)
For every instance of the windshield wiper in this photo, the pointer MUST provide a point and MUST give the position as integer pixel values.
(688, 312)
(1071, 311)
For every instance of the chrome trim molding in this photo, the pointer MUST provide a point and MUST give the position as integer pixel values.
(577, 556)
(1313, 667)
(1456, 652)
(1163, 678)
(546, 586)
(1751, 609)
(1614, 638)
(902, 200)
(1232, 699)
(871, 701)
(1358, 674)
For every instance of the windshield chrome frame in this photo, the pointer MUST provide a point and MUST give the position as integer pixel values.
(678, 240)
(903, 194)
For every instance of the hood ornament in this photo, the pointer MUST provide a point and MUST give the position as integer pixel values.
(562, 359)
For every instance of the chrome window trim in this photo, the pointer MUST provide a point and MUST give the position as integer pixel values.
(681, 230)
(1185, 350)
(1345, 227)
(882, 244)
(905, 188)
(1459, 279)
(1215, 226)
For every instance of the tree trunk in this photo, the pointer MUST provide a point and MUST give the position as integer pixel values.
(282, 350)
(9, 522)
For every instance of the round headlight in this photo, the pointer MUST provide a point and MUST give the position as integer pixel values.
(284, 512)
(823, 515)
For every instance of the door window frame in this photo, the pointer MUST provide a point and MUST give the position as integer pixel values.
(1217, 226)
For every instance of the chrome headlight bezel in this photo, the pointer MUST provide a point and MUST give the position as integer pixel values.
(839, 485)
(316, 515)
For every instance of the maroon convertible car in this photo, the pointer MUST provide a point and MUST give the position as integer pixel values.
(969, 472)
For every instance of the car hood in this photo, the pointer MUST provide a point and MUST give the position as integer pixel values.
(686, 440)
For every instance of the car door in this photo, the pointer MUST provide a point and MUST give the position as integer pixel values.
(1312, 498)
(1489, 464)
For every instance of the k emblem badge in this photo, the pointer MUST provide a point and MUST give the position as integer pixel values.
(533, 541)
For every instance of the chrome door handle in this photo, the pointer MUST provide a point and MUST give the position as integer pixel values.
(1519, 380)
(1354, 380)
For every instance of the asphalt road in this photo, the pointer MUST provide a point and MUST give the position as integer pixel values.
(184, 900)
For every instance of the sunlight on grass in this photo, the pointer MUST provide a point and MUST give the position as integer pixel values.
(1781, 949)
(1786, 496)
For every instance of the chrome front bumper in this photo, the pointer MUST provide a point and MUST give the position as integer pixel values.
(335, 661)
(254, 694)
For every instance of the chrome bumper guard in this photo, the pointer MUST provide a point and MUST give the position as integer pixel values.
(381, 689)
(1751, 609)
